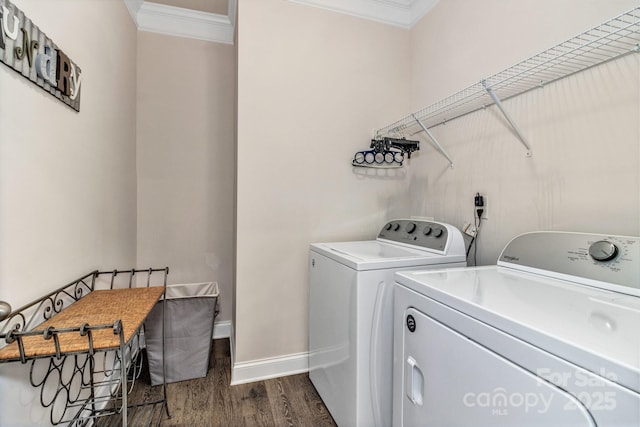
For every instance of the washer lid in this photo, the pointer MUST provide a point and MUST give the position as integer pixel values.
(374, 254)
(596, 329)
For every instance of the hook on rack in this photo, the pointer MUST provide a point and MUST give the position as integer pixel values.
(386, 153)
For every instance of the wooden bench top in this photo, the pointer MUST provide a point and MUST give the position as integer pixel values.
(130, 305)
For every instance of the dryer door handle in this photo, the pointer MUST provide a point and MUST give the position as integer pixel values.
(414, 381)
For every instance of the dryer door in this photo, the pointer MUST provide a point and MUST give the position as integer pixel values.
(451, 381)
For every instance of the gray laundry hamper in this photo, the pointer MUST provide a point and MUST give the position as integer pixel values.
(189, 314)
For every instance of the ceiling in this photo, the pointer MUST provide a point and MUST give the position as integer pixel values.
(214, 20)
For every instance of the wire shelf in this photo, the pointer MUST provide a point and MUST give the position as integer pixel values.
(608, 41)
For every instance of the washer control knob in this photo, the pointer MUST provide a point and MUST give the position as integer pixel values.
(388, 226)
(438, 232)
(411, 227)
(396, 226)
(603, 250)
(427, 230)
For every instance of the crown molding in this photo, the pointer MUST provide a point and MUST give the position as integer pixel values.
(133, 6)
(399, 13)
(181, 22)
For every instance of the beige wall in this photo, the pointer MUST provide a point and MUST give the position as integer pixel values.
(185, 159)
(312, 86)
(67, 179)
(584, 130)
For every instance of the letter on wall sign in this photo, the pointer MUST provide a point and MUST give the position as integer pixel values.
(46, 65)
(13, 33)
(76, 81)
(63, 73)
(28, 46)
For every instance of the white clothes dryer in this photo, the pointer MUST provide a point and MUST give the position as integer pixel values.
(548, 337)
(350, 313)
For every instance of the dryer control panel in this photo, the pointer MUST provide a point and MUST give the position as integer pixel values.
(426, 234)
(610, 262)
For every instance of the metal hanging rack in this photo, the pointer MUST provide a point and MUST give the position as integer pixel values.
(610, 40)
(385, 153)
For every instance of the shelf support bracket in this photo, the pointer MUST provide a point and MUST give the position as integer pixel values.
(506, 115)
(433, 140)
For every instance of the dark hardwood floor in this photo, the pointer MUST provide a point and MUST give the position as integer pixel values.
(210, 401)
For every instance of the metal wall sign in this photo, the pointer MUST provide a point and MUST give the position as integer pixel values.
(27, 50)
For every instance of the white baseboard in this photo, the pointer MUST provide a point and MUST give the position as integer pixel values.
(222, 329)
(258, 370)
(273, 367)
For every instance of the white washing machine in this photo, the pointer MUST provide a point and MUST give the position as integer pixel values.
(350, 313)
(548, 337)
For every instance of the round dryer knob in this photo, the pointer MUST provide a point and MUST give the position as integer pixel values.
(603, 250)
(438, 232)
(396, 227)
(427, 230)
(388, 226)
(411, 227)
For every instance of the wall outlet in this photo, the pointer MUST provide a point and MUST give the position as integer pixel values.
(484, 209)
(469, 230)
